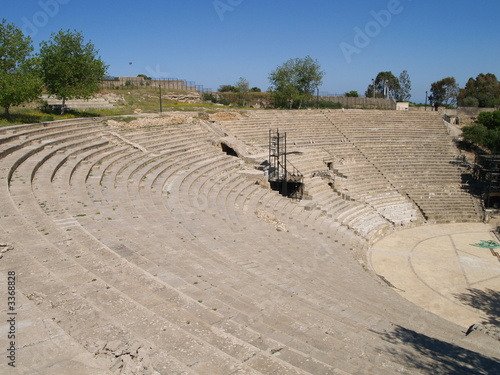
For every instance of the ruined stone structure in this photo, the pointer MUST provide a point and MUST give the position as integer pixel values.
(154, 251)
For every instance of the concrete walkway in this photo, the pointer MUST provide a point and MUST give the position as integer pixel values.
(436, 268)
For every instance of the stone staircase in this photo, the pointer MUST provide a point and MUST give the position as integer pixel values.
(79, 104)
(415, 153)
(396, 164)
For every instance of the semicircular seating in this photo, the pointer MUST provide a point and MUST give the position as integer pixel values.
(151, 249)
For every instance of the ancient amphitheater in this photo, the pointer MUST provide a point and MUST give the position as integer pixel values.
(149, 250)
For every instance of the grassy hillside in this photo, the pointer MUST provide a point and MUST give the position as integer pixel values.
(126, 101)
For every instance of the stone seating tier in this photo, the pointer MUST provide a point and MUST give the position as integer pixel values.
(155, 251)
(376, 151)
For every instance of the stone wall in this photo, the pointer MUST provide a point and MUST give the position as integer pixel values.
(467, 115)
(361, 103)
(168, 84)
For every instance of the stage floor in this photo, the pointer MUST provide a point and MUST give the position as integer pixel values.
(437, 268)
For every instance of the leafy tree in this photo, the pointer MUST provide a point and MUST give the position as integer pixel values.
(144, 76)
(226, 88)
(70, 68)
(19, 76)
(494, 140)
(352, 94)
(489, 119)
(255, 89)
(242, 87)
(475, 134)
(386, 85)
(485, 90)
(404, 91)
(209, 97)
(469, 101)
(370, 94)
(444, 92)
(467, 95)
(485, 132)
(295, 81)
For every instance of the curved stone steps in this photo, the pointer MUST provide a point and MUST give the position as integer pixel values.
(37, 147)
(226, 200)
(247, 194)
(14, 135)
(70, 150)
(302, 305)
(33, 158)
(375, 134)
(47, 250)
(215, 169)
(43, 301)
(45, 136)
(142, 314)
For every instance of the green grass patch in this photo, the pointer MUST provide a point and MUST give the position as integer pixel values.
(147, 100)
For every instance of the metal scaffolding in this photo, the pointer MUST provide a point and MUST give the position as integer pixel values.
(282, 173)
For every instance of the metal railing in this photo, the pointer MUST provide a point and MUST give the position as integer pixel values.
(141, 82)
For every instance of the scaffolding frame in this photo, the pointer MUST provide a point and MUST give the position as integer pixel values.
(281, 171)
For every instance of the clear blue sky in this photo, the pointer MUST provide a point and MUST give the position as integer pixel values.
(216, 42)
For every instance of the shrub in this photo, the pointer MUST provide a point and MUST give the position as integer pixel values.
(475, 134)
(215, 99)
(323, 104)
(486, 132)
(352, 94)
(470, 101)
(224, 101)
(209, 98)
(489, 119)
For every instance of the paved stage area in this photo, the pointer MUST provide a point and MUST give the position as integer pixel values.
(436, 267)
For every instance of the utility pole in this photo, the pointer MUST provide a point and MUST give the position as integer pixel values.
(161, 107)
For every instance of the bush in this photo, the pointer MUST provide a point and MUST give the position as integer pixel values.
(214, 99)
(489, 119)
(224, 101)
(352, 94)
(45, 107)
(486, 132)
(329, 104)
(322, 104)
(475, 134)
(494, 140)
(209, 98)
(470, 101)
